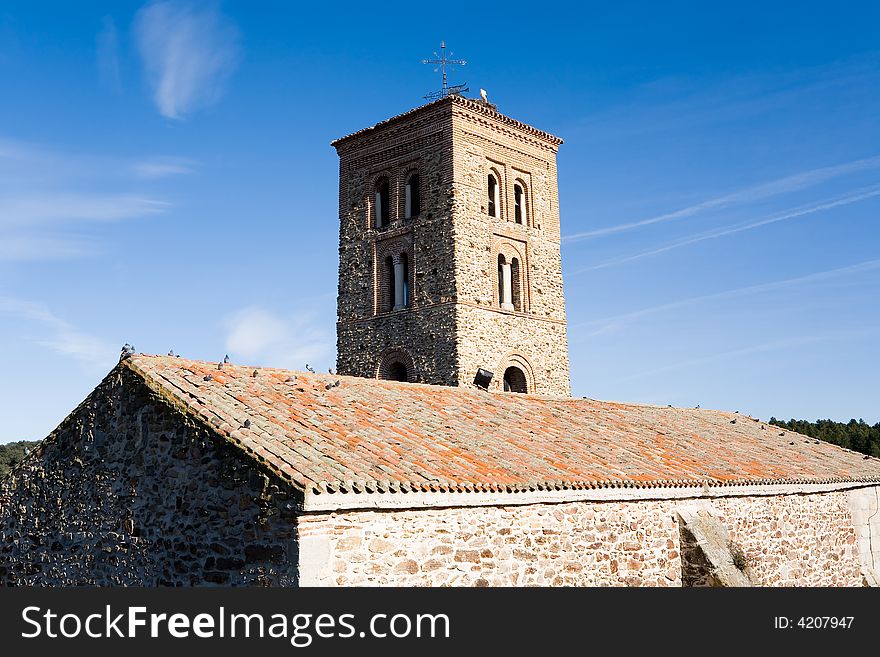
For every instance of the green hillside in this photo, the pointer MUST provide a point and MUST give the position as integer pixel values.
(12, 453)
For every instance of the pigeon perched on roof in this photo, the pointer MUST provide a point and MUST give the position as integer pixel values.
(127, 351)
(226, 359)
(309, 368)
(247, 424)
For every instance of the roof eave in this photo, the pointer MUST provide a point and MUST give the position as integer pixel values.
(331, 502)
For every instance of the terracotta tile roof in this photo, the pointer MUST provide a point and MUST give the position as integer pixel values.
(385, 437)
(460, 100)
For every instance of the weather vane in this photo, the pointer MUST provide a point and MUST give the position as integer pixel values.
(440, 63)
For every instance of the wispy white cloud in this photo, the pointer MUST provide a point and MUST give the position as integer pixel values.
(31, 210)
(766, 347)
(616, 322)
(260, 336)
(188, 52)
(30, 246)
(58, 335)
(785, 185)
(107, 53)
(724, 231)
(677, 103)
(46, 196)
(163, 167)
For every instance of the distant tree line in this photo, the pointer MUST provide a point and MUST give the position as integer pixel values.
(856, 435)
(11, 455)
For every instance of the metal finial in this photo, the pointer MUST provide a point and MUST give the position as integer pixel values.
(440, 64)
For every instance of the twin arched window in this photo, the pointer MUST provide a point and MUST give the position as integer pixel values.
(509, 286)
(493, 199)
(412, 205)
(396, 293)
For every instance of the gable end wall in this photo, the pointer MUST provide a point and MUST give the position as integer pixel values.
(129, 491)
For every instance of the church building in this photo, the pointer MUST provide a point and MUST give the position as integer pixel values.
(447, 449)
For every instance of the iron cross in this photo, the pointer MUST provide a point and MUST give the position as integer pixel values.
(440, 62)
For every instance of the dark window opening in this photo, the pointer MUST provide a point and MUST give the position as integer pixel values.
(501, 262)
(397, 372)
(493, 195)
(518, 204)
(515, 286)
(383, 203)
(404, 260)
(388, 303)
(413, 197)
(515, 380)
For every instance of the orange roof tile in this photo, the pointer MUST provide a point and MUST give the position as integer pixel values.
(383, 436)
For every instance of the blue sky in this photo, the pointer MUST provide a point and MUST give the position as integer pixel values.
(166, 180)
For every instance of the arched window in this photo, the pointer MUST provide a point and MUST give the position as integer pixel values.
(383, 203)
(492, 190)
(397, 372)
(515, 287)
(388, 291)
(413, 198)
(404, 275)
(519, 204)
(505, 284)
(515, 380)
(396, 364)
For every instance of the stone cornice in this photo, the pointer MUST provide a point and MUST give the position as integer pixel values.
(476, 107)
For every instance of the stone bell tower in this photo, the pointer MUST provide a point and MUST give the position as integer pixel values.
(449, 251)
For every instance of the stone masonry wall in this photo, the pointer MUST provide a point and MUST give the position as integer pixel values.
(361, 344)
(365, 328)
(496, 340)
(487, 335)
(129, 491)
(544, 544)
(796, 540)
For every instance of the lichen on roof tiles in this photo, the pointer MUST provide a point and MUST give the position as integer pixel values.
(402, 436)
